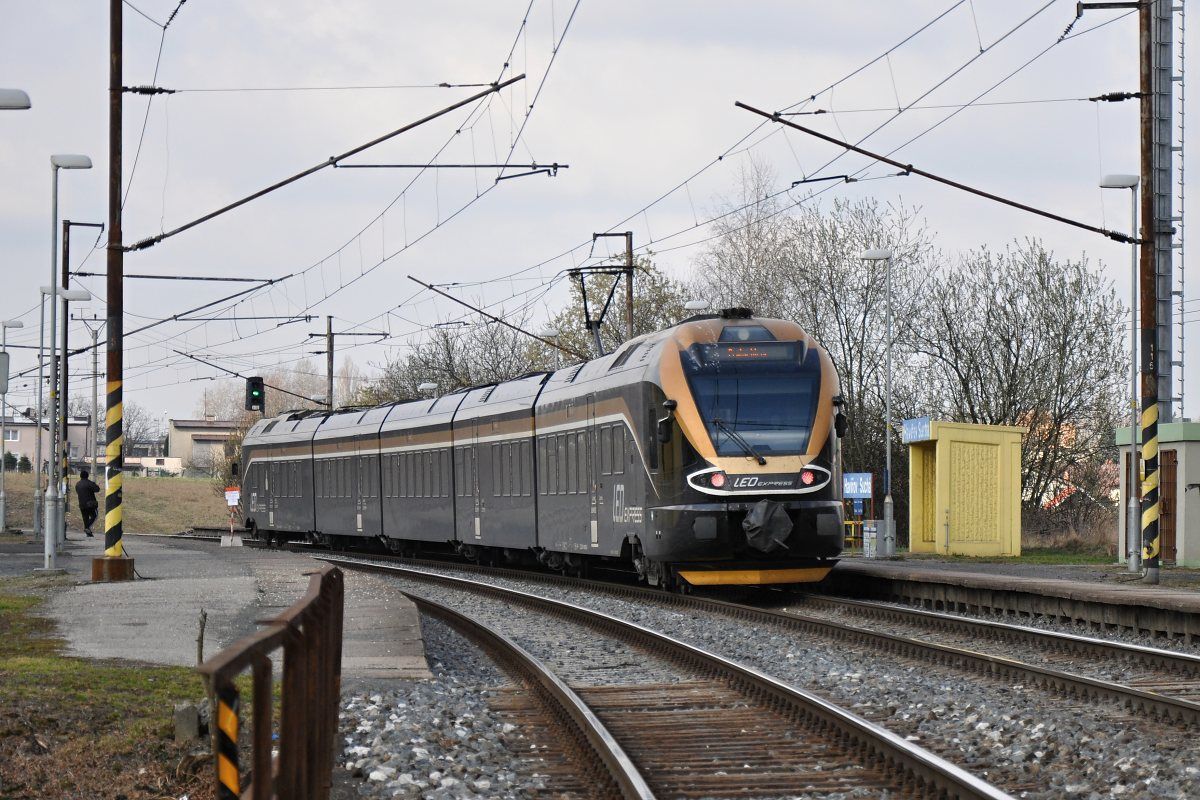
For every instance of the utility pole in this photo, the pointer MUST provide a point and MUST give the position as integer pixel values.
(628, 236)
(1148, 286)
(63, 415)
(115, 565)
(93, 439)
(329, 361)
(328, 353)
(628, 285)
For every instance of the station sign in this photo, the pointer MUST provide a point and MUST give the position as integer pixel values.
(233, 496)
(916, 430)
(857, 485)
(858, 506)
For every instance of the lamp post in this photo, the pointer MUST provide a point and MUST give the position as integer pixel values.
(553, 334)
(13, 100)
(1133, 514)
(889, 522)
(50, 516)
(4, 326)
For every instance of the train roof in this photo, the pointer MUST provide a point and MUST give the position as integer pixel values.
(623, 365)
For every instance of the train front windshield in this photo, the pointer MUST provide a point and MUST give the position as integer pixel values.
(756, 398)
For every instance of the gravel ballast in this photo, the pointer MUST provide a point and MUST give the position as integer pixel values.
(437, 739)
(1028, 741)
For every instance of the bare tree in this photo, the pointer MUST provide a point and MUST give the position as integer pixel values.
(1022, 338)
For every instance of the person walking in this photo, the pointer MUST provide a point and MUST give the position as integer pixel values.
(87, 490)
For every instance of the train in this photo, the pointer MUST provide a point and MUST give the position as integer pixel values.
(704, 454)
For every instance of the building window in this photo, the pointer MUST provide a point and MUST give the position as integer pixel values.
(12, 435)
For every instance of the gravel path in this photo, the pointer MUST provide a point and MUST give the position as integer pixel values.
(1031, 743)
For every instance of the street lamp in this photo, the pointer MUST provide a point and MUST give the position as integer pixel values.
(50, 516)
(889, 522)
(4, 326)
(13, 100)
(553, 334)
(428, 388)
(1133, 514)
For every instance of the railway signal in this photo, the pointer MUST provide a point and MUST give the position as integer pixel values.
(255, 394)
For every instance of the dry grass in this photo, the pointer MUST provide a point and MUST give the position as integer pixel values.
(75, 728)
(152, 505)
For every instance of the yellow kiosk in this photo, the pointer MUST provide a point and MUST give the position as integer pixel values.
(964, 488)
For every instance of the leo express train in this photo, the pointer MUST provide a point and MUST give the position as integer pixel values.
(706, 453)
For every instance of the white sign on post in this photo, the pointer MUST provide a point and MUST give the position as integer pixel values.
(233, 496)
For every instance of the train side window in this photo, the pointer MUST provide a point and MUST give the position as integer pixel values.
(526, 468)
(572, 465)
(618, 443)
(606, 437)
(585, 462)
(496, 485)
(652, 444)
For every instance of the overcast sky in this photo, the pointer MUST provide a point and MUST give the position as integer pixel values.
(638, 99)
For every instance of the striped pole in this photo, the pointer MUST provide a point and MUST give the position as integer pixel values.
(228, 778)
(1148, 304)
(114, 447)
(115, 284)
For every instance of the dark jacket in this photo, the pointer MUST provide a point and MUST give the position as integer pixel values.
(86, 490)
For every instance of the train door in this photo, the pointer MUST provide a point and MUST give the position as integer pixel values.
(592, 470)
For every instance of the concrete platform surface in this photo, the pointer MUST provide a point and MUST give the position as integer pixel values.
(156, 618)
(1091, 583)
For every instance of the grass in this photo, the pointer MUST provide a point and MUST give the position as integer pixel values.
(152, 505)
(73, 727)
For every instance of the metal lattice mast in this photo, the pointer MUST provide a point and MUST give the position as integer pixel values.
(1162, 186)
(1178, 148)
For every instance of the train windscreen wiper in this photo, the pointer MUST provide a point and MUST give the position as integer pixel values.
(740, 441)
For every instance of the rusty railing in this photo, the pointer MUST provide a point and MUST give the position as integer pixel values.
(310, 634)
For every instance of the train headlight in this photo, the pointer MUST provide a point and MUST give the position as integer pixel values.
(808, 477)
(717, 480)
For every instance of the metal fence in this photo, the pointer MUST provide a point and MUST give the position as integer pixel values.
(310, 635)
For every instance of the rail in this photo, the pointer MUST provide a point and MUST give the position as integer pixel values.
(310, 634)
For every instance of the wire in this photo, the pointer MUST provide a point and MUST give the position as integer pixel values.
(940, 105)
(345, 88)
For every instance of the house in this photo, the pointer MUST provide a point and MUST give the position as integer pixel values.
(20, 438)
(199, 444)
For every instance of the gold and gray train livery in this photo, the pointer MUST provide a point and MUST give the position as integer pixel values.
(703, 454)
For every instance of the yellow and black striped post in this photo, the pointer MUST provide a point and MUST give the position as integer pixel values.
(1148, 305)
(114, 446)
(228, 776)
(115, 285)
(1150, 483)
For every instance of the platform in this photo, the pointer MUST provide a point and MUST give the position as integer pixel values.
(1100, 600)
(156, 617)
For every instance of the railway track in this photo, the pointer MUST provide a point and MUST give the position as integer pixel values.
(1167, 672)
(1146, 680)
(1163, 691)
(711, 727)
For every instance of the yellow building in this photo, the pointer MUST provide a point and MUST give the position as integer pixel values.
(965, 488)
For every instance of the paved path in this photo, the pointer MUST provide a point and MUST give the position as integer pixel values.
(156, 618)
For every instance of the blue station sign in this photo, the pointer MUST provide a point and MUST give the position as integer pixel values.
(856, 485)
(916, 430)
